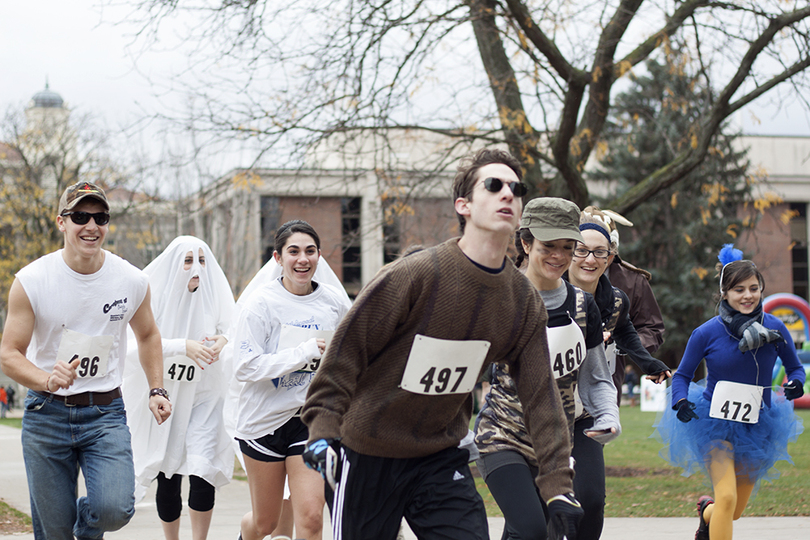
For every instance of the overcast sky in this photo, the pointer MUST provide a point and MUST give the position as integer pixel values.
(81, 54)
(75, 46)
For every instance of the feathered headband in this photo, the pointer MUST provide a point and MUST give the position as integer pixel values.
(728, 254)
(609, 218)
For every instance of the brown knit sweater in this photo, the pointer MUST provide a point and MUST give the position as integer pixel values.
(439, 293)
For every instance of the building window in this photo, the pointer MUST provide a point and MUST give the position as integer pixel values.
(351, 244)
(798, 230)
(270, 216)
(391, 233)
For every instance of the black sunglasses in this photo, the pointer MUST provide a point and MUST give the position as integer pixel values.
(81, 218)
(519, 189)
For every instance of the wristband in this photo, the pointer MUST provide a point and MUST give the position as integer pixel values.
(159, 392)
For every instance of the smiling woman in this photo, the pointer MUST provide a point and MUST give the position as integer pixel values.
(733, 429)
(549, 232)
(591, 259)
(281, 335)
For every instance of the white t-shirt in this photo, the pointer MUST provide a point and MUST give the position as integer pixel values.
(274, 384)
(86, 305)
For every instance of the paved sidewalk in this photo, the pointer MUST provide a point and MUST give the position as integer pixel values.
(233, 501)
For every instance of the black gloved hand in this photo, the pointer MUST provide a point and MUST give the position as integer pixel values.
(793, 389)
(565, 514)
(686, 410)
(323, 455)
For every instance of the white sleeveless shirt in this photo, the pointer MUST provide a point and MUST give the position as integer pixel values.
(98, 304)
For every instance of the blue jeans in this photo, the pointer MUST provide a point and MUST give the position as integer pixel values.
(58, 440)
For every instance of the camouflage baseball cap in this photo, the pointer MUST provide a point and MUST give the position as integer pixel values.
(78, 192)
(551, 218)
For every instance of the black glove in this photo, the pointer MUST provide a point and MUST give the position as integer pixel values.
(686, 410)
(565, 513)
(793, 389)
(323, 455)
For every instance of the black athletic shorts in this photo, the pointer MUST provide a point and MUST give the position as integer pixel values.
(288, 440)
(436, 494)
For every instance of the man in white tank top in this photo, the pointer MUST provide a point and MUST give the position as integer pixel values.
(65, 339)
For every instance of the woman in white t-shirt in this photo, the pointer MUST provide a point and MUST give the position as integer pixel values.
(193, 304)
(281, 333)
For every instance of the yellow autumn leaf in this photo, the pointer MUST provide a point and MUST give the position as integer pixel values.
(673, 201)
(624, 67)
(687, 238)
(700, 272)
(787, 215)
(705, 215)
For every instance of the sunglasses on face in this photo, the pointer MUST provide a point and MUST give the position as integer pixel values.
(81, 218)
(494, 185)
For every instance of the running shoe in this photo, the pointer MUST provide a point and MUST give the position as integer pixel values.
(703, 529)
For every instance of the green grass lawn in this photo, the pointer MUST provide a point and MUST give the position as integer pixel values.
(11, 422)
(641, 484)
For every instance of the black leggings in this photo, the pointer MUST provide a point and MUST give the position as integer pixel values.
(170, 503)
(589, 481)
(514, 490)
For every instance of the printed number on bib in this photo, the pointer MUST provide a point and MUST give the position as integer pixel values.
(292, 336)
(93, 353)
(736, 402)
(181, 368)
(437, 367)
(566, 346)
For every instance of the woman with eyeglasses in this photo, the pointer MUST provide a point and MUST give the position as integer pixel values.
(587, 271)
(733, 427)
(281, 334)
(192, 302)
(549, 231)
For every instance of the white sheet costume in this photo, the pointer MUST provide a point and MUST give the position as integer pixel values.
(194, 440)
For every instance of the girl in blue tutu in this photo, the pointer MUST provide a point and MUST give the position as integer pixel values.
(734, 428)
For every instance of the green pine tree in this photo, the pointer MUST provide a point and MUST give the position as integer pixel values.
(679, 232)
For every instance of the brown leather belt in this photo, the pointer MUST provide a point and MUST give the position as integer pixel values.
(85, 399)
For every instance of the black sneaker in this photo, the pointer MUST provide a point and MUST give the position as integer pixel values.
(703, 529)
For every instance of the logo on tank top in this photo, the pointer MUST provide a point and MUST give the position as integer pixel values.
(118, 309)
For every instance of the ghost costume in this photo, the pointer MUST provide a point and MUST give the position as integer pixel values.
(193, 441)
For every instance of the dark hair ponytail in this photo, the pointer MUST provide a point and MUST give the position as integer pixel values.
(522, 235)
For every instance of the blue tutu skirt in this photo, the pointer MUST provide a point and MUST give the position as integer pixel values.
(757, 447)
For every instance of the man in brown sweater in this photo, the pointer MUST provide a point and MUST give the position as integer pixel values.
(395, 385)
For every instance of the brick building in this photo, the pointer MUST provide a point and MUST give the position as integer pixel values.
(779, 245)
